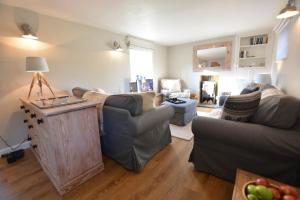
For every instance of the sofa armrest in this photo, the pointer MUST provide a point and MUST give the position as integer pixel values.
(150, 119)
(254, 137)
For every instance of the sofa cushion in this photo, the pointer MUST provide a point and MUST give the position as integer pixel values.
(171, 85)
(131, 102)
(241, 107)
(280, 111)
(249, 90)
(148, 100)
(270, 90)
(95, 96)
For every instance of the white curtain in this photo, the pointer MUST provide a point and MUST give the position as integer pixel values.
(141, 62)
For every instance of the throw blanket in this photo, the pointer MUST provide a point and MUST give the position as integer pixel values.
(99, 98)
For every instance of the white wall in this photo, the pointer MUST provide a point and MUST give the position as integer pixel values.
(77, 55)
(287, 74)
(180, 65)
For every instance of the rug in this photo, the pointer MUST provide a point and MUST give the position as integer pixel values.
(185, 132)
(182, 132)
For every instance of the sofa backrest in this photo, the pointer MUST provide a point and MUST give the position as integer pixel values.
(131, 102)
(297, 126)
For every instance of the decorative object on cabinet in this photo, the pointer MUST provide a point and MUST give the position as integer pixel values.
(38, 65)
(58, 101)
(212, 56)
(62, 138)
(253, 50)
(289, 10)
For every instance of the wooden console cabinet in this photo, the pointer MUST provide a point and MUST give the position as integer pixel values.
(66, 142)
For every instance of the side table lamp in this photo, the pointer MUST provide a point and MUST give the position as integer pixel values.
(38, 65)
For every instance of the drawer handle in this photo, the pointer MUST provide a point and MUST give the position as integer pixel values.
(22, 107)
(33, 115)
(27, 111)
(34, 146)
(40, 121)
(30, 126)
(25, 121)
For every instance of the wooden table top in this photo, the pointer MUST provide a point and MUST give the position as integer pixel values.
(60, 109)
(243, 177)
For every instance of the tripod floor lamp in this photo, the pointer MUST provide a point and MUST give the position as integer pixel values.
(38, 65)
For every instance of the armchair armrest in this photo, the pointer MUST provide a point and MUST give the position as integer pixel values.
(149, 119)
(254, 137)
(118, 120)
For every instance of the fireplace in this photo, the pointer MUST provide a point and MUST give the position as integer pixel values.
(208, 90)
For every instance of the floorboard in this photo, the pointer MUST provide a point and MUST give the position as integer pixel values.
(168, 175)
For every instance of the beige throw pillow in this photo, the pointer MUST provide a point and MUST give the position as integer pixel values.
(148, 101)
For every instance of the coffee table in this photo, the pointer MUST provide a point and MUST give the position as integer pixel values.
(243, 177)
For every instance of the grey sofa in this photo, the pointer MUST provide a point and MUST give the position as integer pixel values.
(221, 146)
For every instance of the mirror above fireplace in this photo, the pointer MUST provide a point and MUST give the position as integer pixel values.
(212, 56)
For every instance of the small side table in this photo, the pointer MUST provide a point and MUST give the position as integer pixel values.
(242, 177)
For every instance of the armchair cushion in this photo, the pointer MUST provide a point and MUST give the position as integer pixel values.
(148, 100)
(170, 85)
(131, 102)
(279, 111)
(241, 107)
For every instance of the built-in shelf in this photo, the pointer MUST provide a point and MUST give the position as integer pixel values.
(253, 46)
(249, 66)
(253, 51)
(252, 58)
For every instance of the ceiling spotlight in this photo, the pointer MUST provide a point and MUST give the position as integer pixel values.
(290, 10)
(27, 32)
(117, 46)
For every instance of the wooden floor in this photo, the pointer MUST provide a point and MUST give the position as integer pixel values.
(168, 175)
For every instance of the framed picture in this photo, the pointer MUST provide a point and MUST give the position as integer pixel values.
(133, 87)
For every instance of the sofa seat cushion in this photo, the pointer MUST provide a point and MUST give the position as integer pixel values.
(241, 107)
(131, 102)
(280, 111)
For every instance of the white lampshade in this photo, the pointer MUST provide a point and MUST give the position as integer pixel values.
(36, 64)
(263, 78)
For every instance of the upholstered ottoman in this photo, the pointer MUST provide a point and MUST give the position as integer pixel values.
(184, 113)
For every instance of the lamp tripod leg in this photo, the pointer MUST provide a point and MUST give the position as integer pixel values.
(31, 85)
(39, 76)
(48, 85)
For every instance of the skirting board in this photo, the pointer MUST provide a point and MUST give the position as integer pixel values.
(6, 150)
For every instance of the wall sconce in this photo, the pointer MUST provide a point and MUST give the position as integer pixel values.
(289, 10)
(27, 32)
(117, 46)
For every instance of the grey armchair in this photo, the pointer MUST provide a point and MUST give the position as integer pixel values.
(172, 88)
(132, 137)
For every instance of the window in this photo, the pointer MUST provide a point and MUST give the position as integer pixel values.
(141, 63)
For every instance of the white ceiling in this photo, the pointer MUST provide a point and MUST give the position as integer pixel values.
(167, 22)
